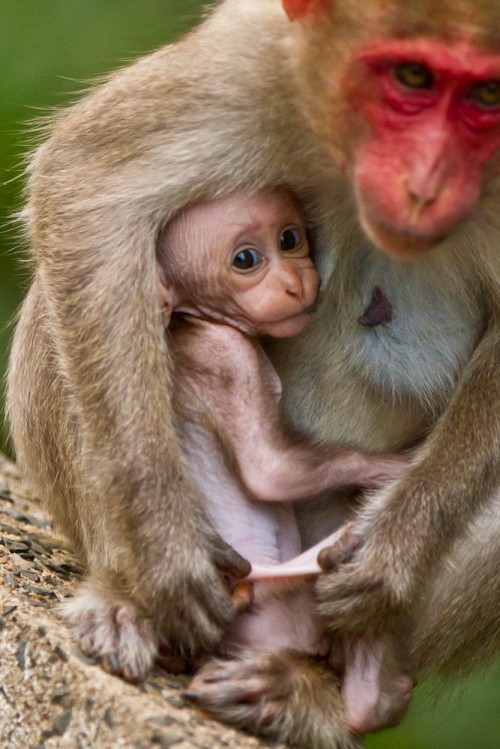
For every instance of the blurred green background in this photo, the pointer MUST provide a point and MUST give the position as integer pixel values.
(48, 50)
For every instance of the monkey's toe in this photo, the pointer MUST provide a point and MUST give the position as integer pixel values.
(113, 632)
(282, 696)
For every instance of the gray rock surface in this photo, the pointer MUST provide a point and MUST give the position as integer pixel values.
(51, 695)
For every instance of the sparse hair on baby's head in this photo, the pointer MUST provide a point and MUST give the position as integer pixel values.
(187, 271)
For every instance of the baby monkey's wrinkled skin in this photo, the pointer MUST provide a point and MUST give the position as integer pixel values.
(231, 270)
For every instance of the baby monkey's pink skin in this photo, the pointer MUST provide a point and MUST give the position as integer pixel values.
(239, 268)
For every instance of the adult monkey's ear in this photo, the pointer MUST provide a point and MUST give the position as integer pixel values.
(299, 9)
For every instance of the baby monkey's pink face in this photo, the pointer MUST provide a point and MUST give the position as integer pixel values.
(245, 259)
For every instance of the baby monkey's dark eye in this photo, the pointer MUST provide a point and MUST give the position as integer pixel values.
(247, 259)
(290, 239)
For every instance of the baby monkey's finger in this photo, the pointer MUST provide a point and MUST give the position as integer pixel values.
(242, 596)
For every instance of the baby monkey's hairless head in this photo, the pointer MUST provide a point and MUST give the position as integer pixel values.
(242, 259)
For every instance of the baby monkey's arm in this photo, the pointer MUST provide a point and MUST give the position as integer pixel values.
(242, 392)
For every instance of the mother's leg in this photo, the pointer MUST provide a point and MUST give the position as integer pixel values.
(459, 624)
(285, 696)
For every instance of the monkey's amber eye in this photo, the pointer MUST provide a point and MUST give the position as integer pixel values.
(486, 94)
(413, 75)
(247, 259)
(290, 239)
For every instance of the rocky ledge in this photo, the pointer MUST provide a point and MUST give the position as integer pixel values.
(51, 695)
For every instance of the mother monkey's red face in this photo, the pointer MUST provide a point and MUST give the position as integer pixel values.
(420, 128)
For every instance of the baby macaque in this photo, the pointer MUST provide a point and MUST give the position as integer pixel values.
(232, 270)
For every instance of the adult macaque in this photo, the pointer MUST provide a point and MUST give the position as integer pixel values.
(384, 118)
